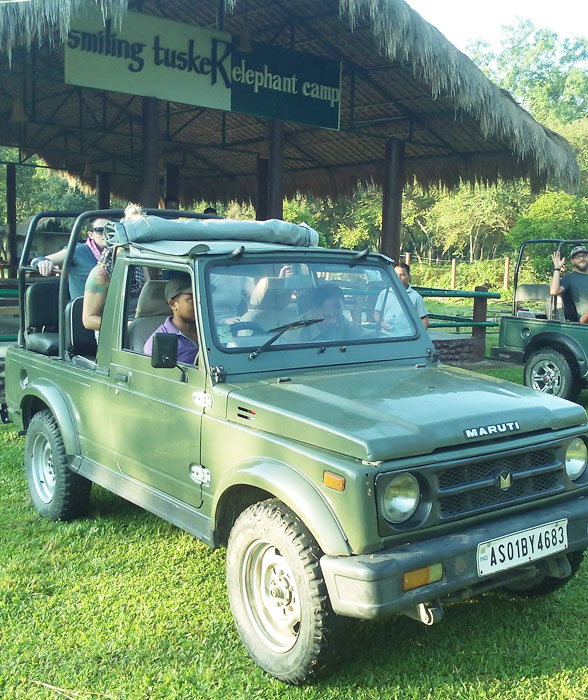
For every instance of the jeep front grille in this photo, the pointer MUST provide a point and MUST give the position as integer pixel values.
(464, 489)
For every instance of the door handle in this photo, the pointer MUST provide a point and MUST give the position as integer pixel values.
(121, 377)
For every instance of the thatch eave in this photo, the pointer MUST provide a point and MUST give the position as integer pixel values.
(516, 145)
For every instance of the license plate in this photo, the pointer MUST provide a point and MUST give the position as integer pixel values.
(522, 547)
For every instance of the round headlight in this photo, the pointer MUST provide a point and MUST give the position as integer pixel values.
(401, 498)
(576, 458)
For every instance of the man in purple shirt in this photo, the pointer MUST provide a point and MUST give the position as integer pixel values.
(178, 292)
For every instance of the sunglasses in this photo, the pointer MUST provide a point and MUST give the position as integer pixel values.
(98, 229)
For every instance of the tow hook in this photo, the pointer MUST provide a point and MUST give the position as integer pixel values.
(426, 613)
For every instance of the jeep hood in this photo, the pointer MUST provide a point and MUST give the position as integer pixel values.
(396, 411)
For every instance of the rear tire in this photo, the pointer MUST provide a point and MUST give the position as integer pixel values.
(544, 585)
(57, 493)
(550, 372)
(277, 593)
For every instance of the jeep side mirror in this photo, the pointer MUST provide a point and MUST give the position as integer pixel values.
(164, 354)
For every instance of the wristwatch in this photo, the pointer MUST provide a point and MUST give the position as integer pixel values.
(35, 261)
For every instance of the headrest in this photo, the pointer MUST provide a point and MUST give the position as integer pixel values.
(152, 301)
(270, 292)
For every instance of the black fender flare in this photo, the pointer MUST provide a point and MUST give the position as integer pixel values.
(562, 343)
(50, 395)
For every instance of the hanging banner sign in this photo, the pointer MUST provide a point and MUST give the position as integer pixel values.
(155, 57)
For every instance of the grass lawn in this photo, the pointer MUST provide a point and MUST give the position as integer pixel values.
(122, 605)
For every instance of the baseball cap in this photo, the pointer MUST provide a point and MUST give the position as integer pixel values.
(578, 249)
(178, 285)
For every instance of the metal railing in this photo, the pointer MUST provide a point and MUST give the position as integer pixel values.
(480, 308)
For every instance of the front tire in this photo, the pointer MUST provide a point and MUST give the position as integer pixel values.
(57, 493)
(551, 372)
(277, 592)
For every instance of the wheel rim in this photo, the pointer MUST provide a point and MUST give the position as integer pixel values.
(546, 377)
(271, 596)
(42, 469)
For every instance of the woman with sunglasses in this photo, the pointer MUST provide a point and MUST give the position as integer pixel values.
(98, 280)
(85, 257)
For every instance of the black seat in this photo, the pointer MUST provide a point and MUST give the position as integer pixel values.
(41, 316)
(570, 312)
(79, 341)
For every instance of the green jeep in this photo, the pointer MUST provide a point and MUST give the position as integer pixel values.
(543, 332)
(347, 472)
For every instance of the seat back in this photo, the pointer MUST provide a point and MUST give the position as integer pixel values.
(42, 316)
(42, 306)
(78, 339)
(152, 310)
(533, 292)
(271, 304)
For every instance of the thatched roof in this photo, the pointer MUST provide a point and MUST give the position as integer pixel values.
(401, 79)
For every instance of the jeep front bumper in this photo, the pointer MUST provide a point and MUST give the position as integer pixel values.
(370, 585)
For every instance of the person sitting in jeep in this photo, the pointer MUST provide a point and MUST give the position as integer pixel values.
(574, 285)
(328, 305)
(178, 292)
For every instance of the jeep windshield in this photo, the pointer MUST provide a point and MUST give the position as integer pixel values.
(305, 304)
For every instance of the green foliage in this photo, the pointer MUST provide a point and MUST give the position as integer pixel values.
(40, 188)
(551, 215)
(548, 75)
(468, 275)
(474, 221)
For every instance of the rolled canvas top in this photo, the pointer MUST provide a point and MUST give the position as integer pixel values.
(149, 229)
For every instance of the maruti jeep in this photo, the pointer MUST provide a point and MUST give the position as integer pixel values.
(351, 476)
(543, 332)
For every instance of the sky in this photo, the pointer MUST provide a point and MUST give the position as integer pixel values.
(462, 21)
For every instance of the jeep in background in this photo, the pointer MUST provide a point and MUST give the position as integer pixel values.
(345, 469)
(543, 333)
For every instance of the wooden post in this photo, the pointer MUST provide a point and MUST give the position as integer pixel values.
(453, 273)
(506, 272)
(275, 207)
(407, 258)
(172, 186)
(103, 190)
(150, 122)
(261, 200)
(12, 249)
(479, 332)
(392, 198)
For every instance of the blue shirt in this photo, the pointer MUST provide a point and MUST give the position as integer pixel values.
(83, 261)
(187, 348)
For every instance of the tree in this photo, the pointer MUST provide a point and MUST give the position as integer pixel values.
(548, 75)
(474, 220)
(551, 215)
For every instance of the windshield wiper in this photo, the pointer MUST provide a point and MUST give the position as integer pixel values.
(279, 331)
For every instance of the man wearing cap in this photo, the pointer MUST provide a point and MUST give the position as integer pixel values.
(178, 292)
(575, 283)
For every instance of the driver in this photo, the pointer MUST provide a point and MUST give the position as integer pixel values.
(178, 293)
(575, 283)
(328, 304)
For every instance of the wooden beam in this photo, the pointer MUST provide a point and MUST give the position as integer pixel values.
(12, 253)
(150, 185)
(103, 190)
(276, 170)
(261, 200)
(392, 198)
(172, 186)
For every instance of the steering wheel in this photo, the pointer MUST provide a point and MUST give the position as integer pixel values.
(255, 328)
